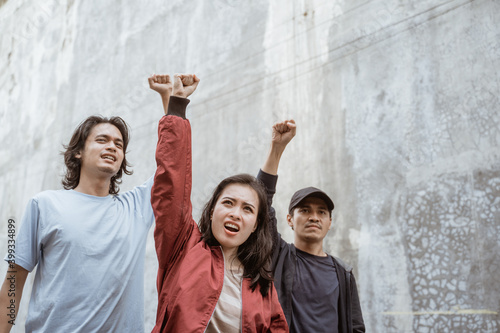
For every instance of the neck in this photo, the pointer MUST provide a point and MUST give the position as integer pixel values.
(231, 260)
(315, 248)
(98, 187)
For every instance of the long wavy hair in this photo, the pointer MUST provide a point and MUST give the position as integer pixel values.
(77, 145)
(255, 252)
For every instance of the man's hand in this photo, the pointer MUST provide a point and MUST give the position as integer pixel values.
(185, 84)
(283, 132)
(162, 84)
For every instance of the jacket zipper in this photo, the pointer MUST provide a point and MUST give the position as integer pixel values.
(224, 266)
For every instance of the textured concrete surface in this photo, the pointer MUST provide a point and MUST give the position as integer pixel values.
(396, 102)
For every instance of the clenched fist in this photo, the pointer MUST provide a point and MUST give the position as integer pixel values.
(161, 84)
(185, 84)
(283, 132)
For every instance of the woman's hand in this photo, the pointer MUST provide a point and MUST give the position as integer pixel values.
(185, 84)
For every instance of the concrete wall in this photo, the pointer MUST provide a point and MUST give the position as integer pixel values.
(396, 102)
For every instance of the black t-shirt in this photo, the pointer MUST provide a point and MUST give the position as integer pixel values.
(315, 294)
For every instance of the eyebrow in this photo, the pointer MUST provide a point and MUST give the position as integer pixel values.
(244, 202)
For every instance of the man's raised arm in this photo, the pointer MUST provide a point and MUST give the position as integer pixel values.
(283, 133)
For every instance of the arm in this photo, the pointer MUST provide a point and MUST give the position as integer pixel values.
(10, 295)
(171, 192)
(282, 134)
(26, 254)
(269, 181)
(358, 326)
(162, 85)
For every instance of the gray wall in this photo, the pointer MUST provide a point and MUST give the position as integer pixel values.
(398, 119)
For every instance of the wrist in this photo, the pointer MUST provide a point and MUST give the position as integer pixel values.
(179, 94)
(277, 149)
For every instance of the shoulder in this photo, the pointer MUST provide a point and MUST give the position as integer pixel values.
(285, 246)
(64, 199)
(47, 196)
(143, 190)
(342, 264)
(43, 203)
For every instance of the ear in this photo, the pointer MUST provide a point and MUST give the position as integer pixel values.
(330, 226)
(78, 155)
(289, 220)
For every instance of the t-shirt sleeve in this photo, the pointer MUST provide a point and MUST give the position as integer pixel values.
(140, 196)
(28, 247)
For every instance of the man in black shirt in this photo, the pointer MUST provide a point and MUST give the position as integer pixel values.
(317, 291)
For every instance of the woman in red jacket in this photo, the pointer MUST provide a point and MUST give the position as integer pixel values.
(214, 277)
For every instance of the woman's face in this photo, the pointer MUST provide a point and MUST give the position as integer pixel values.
(234, 216)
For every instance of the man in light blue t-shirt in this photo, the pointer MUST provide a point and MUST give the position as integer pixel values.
(87, 240)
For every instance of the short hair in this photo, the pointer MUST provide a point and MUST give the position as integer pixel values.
(255, 252)
(77, 144)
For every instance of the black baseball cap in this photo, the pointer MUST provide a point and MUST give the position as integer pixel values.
(309, 192)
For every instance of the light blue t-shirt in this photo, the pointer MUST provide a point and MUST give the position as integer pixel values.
(90, 254)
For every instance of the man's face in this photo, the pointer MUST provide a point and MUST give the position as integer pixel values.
(311, 220)
(103, 152)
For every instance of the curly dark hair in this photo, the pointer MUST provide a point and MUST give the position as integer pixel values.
(77, 144)
(255, 252)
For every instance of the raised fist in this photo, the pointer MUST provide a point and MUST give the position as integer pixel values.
(284, 132)
(161, 83)
(185, 84)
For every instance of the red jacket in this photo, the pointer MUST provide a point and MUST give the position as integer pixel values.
(191, 273)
